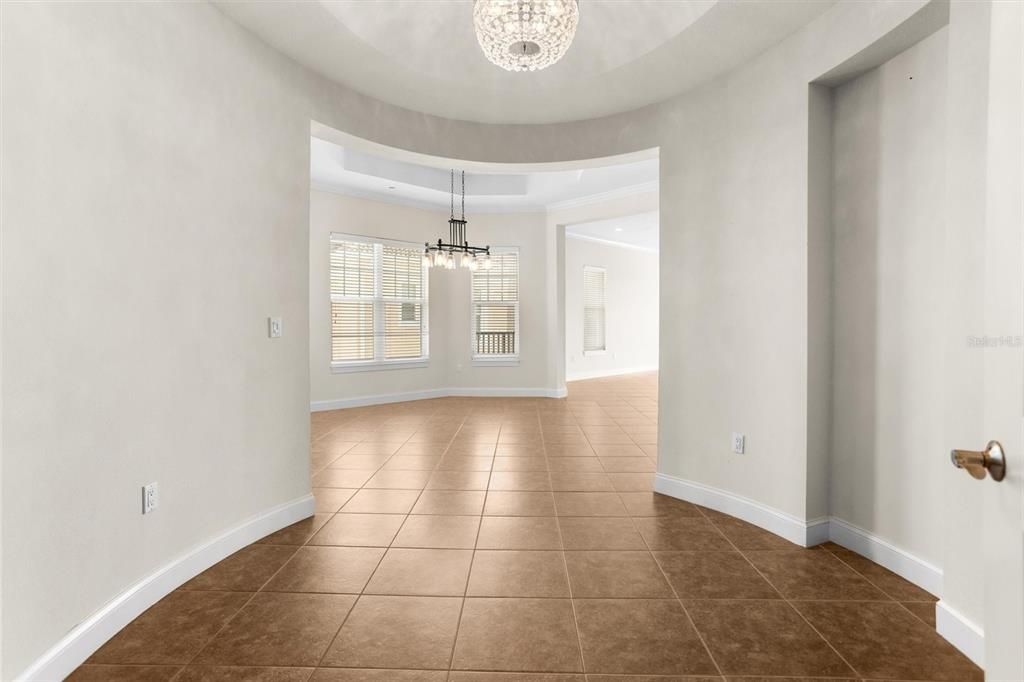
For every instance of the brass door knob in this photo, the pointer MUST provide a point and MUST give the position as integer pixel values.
(990, 460)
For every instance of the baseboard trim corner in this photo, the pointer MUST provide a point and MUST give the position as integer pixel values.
(797, 531)
(89, 635)
(951, 625)
(426, 394)
(960, 632)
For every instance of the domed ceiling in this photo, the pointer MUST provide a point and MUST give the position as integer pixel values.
(423, 54)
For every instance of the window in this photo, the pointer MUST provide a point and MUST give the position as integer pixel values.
(378, 303)
(496, 308)
(593, 309)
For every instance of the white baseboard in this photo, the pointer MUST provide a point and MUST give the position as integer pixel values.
(925, 575)
(598, 373)
(961, 633)
(798, 531)
(955, 628)
(88, 636)
(508, 392)
(363, 401)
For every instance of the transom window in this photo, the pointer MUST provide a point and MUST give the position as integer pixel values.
(378, 303)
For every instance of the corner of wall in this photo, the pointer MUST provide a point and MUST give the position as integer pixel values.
(819, 299)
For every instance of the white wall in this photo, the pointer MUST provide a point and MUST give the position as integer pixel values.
(156, 161)
(451, 365)
(631, 309)
(155, 184)
(888, 300)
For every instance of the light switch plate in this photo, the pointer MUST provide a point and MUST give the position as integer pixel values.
(150, 497)
(274, 327)
(739, 443)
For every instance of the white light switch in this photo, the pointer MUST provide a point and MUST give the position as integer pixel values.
(274, 327)
(739, 442)
(150, 498)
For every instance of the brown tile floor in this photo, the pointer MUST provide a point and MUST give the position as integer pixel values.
(493, 540)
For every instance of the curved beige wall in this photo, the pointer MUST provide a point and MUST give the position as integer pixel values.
(156, 172)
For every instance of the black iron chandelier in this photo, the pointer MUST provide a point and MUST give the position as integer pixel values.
(445, 255)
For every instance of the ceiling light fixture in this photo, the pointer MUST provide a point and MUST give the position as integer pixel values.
(525, 35)
(444, 255)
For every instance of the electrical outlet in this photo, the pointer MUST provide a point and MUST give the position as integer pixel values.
(739, 443)
(150, 497)
(274, 327)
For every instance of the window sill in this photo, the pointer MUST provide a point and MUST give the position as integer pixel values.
(589, 353)
(346, 368)
(504, 361)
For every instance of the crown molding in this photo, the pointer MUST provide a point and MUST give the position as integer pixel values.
(601, 197)
(609, 242)
(397, 200)
(619, 193)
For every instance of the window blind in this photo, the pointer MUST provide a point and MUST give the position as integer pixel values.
(378, 301)
(593, 309)
(402, 291)
(496, 306)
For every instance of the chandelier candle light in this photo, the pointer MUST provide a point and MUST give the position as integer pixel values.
(443, 255)
(525, 35)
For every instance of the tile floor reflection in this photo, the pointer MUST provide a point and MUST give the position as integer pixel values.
(518, 540)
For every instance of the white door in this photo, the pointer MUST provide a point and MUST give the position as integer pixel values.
(986, 260)
(1003, 519)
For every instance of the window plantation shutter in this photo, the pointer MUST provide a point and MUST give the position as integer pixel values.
(593, 309)
(496, 306)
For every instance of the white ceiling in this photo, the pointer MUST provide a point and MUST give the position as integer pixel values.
(638, 231)
(423, 54)
(354, 172)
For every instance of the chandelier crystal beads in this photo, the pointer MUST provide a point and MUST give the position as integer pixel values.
(525, 35)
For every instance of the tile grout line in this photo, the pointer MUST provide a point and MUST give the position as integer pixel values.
(686, 612)
(377, 426)
(565, 563)
(355, 603)
(782, 596)
(472, 560)
(902, 604)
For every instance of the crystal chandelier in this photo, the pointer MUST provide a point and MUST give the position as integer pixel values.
(525, 35)
(457, 251)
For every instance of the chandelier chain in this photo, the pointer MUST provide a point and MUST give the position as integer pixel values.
(444, 255)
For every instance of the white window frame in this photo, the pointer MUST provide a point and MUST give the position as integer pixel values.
(510, 359)
(604, 319)
(379, 362)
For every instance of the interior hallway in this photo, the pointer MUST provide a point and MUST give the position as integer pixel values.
(467, 534)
